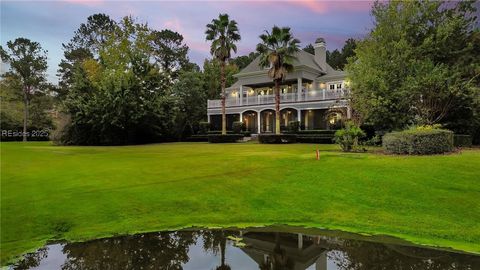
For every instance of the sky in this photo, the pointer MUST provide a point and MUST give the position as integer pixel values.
(52, 23)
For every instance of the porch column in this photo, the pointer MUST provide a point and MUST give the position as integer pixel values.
(208, 117)
(299, 89)
(241, 96)
(349, 112)
(258, 122)
(241, 118)
(300, 241)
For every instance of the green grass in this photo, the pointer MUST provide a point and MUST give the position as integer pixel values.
(78, 193)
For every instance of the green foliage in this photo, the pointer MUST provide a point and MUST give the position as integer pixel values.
(461, 140)
(349, 136)
(191, 104)
(293, 126)
(238, 127)
(277, 138)
(419, 65)
(419, 141)
(124, 98)
(337, 59)
(224, 138)
(204, 127)
(28, 66)
(212, 78)
(244, 60)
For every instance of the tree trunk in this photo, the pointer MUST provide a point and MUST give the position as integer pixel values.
(222, 80)
(25, 113)
(277, 107)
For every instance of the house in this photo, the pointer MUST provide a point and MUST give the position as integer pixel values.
(313, 94)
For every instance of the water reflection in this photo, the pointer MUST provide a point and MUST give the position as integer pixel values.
(246, 249)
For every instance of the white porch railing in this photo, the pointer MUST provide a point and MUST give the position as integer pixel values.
(288, 97)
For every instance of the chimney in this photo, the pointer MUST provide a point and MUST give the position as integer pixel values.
(321, 53)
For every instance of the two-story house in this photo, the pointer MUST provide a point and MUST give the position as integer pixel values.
(313, 94)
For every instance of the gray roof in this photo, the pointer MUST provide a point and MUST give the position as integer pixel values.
(303, 58)
(332, 74)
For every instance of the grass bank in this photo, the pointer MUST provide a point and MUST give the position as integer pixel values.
(77, 193)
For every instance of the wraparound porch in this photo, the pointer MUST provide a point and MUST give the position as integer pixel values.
(263, 120)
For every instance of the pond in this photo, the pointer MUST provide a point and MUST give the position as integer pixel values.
(252, 248)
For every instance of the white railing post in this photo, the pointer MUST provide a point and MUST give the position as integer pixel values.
(299, 88)
(323, 93)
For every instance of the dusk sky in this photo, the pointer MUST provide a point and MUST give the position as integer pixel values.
(53, 22)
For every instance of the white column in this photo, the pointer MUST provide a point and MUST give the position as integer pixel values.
(241, 95)
(258, 123)
(299, 115)
(299, 88)
(300, 241)
(208, 117)
(321, 263)
(241, 119)
(349, 112)
(323, 93)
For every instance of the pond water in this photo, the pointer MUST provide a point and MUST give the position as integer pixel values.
(255, 248)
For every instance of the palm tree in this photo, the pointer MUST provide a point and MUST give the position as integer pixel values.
(277, 52)
(223, 33)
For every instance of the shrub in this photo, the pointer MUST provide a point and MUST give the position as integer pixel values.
(237, 127)
(316, 131)
(204, 127)
(197, 138)
(419, 141)
(277, 138)
(348, 137)
(293, 126)
(461, 140)
(227, 138)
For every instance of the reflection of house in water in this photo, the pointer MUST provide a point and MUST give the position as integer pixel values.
(285, 251)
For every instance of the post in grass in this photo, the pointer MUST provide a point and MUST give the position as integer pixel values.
(317, 152)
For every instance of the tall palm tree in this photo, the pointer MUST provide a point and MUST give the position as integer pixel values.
(223, 33)
(277, 52)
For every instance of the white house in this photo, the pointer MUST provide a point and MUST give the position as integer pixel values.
(308, 95)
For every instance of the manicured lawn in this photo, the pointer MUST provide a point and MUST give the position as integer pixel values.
(77, 193)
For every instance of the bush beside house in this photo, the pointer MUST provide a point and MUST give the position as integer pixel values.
(419, 141)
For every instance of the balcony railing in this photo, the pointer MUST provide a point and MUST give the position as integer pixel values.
(284, 98)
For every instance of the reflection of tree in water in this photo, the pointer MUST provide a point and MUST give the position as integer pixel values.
(279, 259)
(360, 255)
(31, 260)
(148, 251)
(216, 241)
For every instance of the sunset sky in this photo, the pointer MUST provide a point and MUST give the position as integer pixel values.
(53, 22)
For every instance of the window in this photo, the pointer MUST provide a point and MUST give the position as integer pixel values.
(332, 86)
(339, 86)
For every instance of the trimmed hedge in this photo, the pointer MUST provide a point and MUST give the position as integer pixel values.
(197, 138)
(237, 127)
(280, 138)
(204, 127)
(462, 140)
(316, 131)
(418, 142)
(293, 126)
(227, 138)
(315, 138)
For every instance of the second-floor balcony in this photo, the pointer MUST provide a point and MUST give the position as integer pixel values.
(313, 95)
